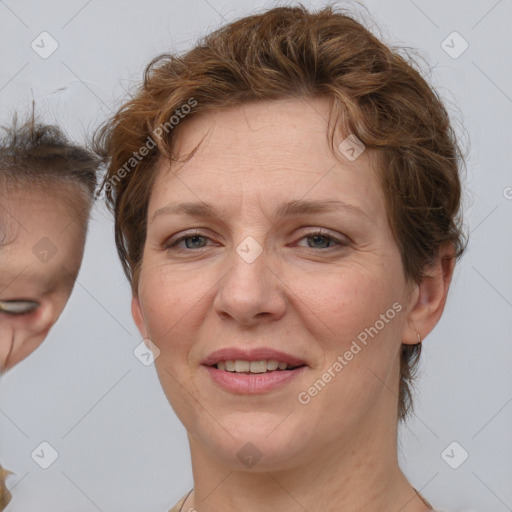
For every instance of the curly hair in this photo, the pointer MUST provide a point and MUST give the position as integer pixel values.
(288, 52)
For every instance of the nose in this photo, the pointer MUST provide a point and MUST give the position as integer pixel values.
(250, 291)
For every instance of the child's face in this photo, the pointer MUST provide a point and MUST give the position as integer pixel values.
(41, 247)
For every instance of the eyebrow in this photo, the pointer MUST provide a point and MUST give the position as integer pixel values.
(287, 209)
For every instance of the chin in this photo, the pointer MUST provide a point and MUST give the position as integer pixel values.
(254, 441)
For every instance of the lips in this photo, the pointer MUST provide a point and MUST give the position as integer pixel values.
(227, 369)
(257, 354)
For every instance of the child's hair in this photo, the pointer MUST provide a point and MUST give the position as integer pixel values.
(33, 154)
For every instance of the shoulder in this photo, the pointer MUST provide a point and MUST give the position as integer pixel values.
(179, 505)
(5, 495)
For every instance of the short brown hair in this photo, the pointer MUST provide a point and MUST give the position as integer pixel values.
(288, 52)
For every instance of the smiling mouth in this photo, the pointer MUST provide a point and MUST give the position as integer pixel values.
(254, 367)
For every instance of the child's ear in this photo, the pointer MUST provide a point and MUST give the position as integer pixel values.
(429, 297)
(137, 316)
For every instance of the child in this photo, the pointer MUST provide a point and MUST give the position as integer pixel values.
(46, 193)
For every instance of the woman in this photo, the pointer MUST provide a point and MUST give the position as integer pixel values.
(46, 192)
(286, 198)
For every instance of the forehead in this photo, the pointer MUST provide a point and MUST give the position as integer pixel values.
(268, 151)
(41, 241)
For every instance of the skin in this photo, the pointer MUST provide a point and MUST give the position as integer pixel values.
(300, 296)
(29, 215)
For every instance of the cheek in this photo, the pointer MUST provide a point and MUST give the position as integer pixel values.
(6, 340)
(173, 313)
(341, 305)
(354, 319)
(170, 303)
(20, 336)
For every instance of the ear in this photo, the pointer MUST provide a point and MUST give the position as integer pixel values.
(428, 298)
(137, 317)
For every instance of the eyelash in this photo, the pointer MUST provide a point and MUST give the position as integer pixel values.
(30, 307)
(319, 232)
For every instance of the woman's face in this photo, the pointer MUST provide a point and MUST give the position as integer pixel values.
(266, 247)
(41, 248)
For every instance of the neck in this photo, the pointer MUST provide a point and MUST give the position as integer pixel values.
(362, 474)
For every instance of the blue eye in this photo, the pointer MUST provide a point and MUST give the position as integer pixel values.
(323, 240)
(319, 237)
(195, 239)
(18, 307)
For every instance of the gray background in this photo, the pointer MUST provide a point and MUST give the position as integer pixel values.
(120, 446)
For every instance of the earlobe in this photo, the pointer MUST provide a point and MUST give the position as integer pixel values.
(429, 298)
(137, 316)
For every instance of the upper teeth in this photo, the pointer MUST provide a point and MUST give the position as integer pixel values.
(252, 366)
